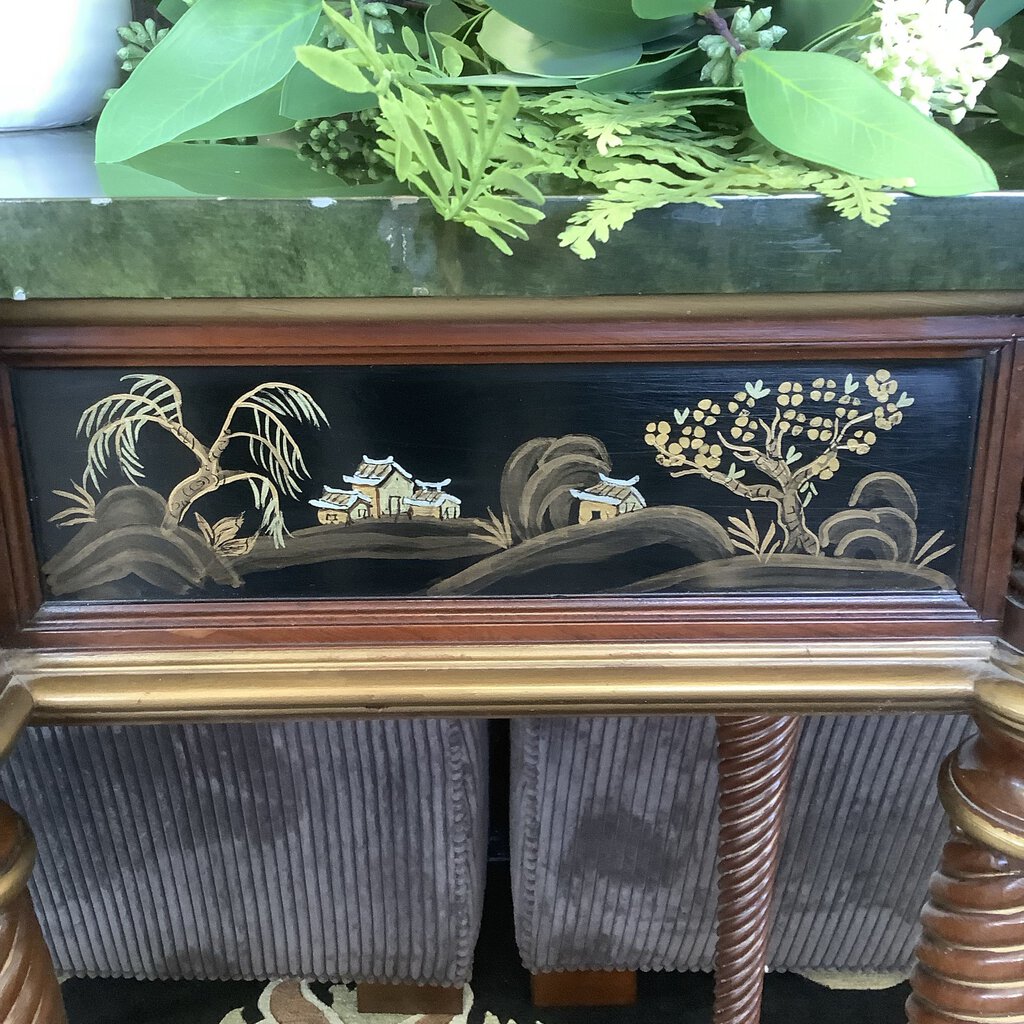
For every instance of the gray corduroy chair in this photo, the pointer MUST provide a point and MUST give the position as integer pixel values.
(328, 850)
(614, 832)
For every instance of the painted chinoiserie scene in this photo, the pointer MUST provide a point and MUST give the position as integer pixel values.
(513, 480)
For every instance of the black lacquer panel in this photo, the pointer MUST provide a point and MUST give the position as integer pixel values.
(499, 479)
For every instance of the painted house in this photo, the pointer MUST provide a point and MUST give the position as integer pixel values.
(384, 482)
(431, 501)
(336, 506)
(609, 498)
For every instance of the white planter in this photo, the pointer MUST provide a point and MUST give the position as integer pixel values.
(57, 59)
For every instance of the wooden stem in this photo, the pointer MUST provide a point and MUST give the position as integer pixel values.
(29, 991)
(755, 758)
(971, 954)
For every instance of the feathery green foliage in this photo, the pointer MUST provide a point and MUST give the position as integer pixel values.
(481, 107)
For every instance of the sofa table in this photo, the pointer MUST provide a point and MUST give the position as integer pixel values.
(269, 457)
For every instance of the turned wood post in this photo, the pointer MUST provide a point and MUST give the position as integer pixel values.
(29, 991)
(971, 954)
(755, 761)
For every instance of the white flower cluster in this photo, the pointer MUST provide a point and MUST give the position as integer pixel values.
(926, 51)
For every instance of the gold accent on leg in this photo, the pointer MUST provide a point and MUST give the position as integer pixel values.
(29, 991)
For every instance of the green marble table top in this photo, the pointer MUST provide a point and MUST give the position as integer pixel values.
(262, 229)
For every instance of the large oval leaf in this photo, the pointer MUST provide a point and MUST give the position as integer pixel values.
(654, 74)
(219, 55)
(827, 109)
(241, 172)
(591, 24)
(670, 8)
(518, 49)
(259, 116)
(994, 13)
(807, 20)
(305, 97)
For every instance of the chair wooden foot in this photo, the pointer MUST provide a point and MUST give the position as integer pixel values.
(755, 761)
(29, 991)
(971, 954)
(410, 999)
(583, 988)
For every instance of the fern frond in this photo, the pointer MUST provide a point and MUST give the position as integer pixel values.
(855, 198)
(464, 157)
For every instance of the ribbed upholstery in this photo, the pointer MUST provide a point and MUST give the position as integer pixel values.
(329, 850)
(614, 837)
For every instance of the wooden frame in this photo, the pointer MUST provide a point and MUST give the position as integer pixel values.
(80, 662)
(29, 621)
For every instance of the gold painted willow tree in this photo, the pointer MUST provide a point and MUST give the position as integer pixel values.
(793, 436)
(113, 426)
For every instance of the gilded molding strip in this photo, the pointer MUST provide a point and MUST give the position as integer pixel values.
(620, 307)
(504, 680)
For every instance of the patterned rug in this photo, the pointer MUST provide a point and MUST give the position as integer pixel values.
(294, 1002)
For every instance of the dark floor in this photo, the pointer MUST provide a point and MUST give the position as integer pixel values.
(501, 986)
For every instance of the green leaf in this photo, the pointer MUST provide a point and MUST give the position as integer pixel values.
(994, 13)
(653, 74)
(520, 50)
(670, 8)
(305, 97)
(590, 24)
(220, 54)
(829, 110)
(240, 172)
(497, 80)
(808, 20)
(172, 10)
(1010, 109)
(336, 67)
(444, 16)
(1003, 150)
(259, 116)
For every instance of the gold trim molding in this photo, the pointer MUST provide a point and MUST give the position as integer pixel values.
(83, 312)
(502, 680)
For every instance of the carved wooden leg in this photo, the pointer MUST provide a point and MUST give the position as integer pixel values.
(755, 760)
(29, 992)
(971, 954)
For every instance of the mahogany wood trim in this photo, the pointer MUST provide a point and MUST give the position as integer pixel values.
(20, 592)
(652, 307)
(214, 624)
(1005, 487)
(987, 547)
(467, 341)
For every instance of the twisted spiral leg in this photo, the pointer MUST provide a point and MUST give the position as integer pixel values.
(29, 992)
(755, 757)
(971, 954)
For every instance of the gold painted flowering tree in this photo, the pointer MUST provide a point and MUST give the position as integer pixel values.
(791, 436)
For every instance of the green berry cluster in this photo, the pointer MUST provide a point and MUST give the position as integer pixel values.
(751, 30)
(139, 37)
(345, 146)
(377, 14)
